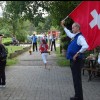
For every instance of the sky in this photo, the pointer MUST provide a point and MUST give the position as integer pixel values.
(3, 5)
(0, 12)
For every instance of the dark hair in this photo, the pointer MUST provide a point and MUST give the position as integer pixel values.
(44, 42)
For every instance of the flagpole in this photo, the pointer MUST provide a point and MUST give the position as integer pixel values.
(65, 18)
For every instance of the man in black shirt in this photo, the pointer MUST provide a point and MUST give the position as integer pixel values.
(3, 58)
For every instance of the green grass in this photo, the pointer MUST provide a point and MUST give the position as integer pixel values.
(61, 60)
(6, 40)
(11, 62)
(12, 49)
(58, 41)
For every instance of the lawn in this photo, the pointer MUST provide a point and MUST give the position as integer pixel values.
(6, 40)
(11, 62)
(61, 60)
(12, 49)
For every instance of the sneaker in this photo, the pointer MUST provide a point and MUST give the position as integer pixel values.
(3, 85)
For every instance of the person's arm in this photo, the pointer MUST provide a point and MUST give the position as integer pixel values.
(31, 38)
(68, 33)
(81, 41)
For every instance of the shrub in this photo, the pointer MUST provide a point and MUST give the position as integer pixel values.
(64, 40)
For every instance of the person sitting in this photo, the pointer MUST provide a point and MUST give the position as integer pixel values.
(15, 41)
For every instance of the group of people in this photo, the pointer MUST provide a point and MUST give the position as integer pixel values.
(74, 53)
(50, 40)
(46, 45)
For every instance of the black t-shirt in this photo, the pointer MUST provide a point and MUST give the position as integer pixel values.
(3, 52)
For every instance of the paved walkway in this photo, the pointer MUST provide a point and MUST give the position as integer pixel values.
(29, 80)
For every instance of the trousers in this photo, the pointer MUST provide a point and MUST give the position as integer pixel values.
(44, 57)
(2, 73)
(76, 75)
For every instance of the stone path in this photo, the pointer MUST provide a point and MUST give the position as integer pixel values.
(29, 80)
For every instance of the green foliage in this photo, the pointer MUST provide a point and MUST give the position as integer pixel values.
(60, 9)
(7, 43)
(12, 49)
(23, 28)
(11, 62)
(21, 36)
(21, 10)
(44, 27)
(6, 40)
(4, 27)
(26, 10)
(61, 60)
(64, 41)
(30, 10)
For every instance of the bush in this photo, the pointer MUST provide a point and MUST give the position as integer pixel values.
(64, 40)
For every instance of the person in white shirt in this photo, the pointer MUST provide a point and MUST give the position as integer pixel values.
(74, 53)
(53, 42)
(45, 38)
(49, 40)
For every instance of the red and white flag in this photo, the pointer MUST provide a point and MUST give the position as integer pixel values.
(87, 14)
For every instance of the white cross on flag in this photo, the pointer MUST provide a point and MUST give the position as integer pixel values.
(87, 14)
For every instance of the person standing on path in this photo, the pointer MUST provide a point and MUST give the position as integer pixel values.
(2, 63)
(45, 38)
(34, 42)
(50, 40)
(44, 51)
(53, 42)
(75, 51)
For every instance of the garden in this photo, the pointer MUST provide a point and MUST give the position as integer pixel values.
(11, 50)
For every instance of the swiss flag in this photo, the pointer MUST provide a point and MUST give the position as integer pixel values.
(87, 14)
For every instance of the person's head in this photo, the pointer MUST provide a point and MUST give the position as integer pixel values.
(33, 34)
(43, 41)
(75, 27)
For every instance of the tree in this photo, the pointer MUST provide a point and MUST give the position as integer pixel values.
(59, 10)
(27, 10)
